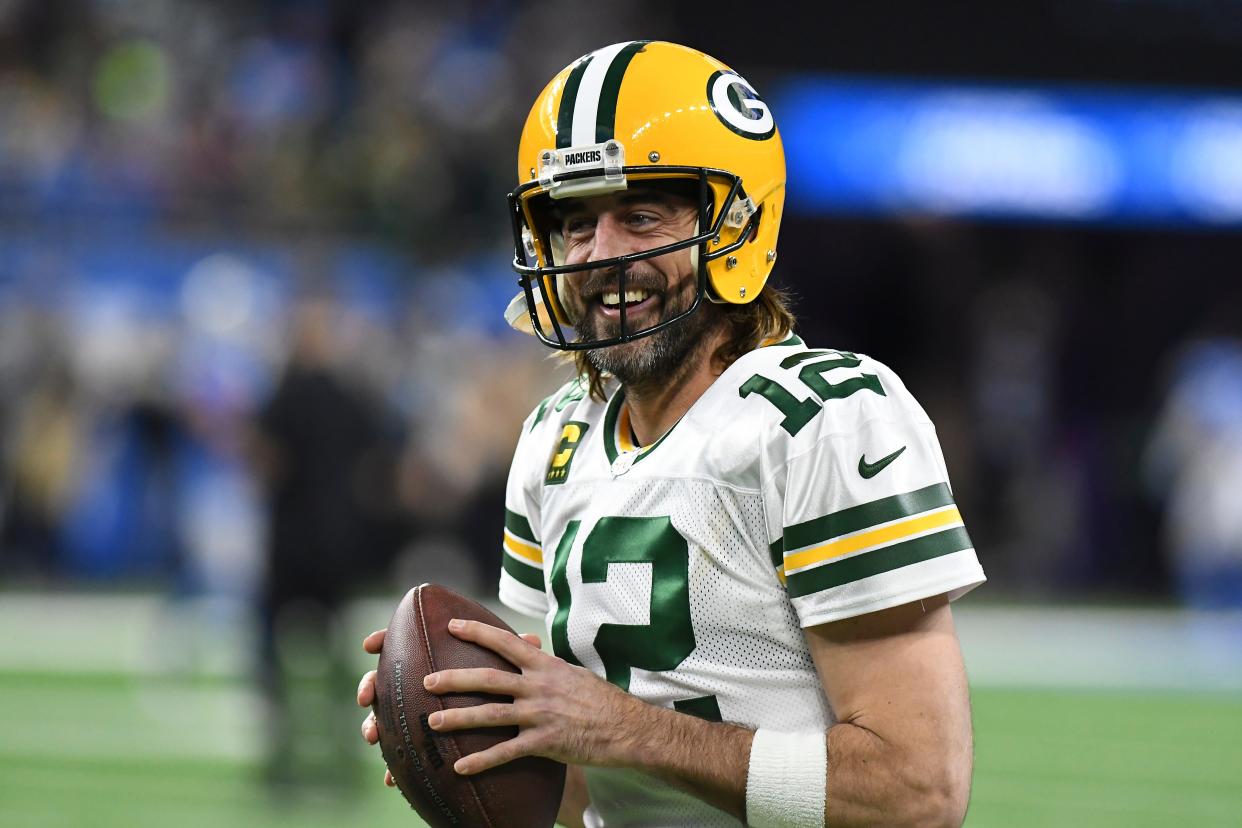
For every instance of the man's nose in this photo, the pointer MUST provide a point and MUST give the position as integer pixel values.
(611, 239)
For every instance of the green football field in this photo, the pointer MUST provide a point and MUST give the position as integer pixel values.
(131, 747)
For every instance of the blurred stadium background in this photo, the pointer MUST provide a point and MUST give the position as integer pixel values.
(254, 381)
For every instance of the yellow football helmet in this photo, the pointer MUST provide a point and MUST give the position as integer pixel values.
(645, 111)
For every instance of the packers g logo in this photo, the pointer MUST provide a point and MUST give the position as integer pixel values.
(739, 107)
(571, 438)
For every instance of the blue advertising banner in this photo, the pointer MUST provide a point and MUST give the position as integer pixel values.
(858, 145)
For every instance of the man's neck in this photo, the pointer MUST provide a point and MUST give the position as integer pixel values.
(656, 406)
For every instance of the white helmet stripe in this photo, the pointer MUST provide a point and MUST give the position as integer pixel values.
(586, 107)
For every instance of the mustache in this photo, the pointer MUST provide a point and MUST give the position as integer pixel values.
(599, 281)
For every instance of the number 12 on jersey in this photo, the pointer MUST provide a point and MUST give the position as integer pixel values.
(800, 412)
(659, 646)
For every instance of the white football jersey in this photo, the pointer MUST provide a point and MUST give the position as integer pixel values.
(805, 486)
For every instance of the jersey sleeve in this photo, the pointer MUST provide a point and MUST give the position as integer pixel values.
(867, 515)
(522, 585)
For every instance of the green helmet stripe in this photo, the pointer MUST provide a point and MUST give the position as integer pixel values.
(606, 117)
(588, 110)
(569, 98)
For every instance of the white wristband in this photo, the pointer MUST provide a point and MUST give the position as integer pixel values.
(786, 786)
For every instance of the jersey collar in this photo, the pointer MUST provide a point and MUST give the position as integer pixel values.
(617, 432)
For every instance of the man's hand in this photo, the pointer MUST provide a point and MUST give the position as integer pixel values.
(569, 714)
(563, 712)
(374, 643)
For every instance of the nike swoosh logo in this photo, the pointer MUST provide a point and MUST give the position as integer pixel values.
(870, 470)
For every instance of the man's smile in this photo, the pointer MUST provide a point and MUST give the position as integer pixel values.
(638, 301)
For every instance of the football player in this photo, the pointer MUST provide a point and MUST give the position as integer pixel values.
(743, 547)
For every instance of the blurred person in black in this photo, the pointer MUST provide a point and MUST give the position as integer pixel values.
(318, 445)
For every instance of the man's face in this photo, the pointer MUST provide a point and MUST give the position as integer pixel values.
(656, 289)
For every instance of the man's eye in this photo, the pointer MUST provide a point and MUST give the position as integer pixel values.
(575, 227)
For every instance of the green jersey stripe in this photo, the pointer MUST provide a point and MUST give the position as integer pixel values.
(866, 515)
(543, 409)
(611, 414)
(776, 551)
(520, 526)
(878, 561)
(569, 98)
(606, 117)
(705, 707)
(524, 573)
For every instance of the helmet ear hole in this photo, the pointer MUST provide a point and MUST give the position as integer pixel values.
(754, 226)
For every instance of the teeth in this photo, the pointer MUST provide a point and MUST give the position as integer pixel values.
(612, 298)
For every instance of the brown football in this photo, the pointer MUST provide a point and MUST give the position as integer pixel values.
(525, 793)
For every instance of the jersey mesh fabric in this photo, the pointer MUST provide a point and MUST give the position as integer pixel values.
(749, 649)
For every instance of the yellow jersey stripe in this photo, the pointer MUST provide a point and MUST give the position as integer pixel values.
(523, 550)
(875, 537)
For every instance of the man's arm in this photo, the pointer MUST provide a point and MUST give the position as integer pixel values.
(900, 754)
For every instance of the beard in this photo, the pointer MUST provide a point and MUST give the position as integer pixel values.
(658, 358)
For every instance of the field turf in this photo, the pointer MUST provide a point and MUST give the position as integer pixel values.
(104, 750)
(119, 712)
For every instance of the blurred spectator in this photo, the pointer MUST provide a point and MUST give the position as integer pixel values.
(46, 440)
(317, 439)
(1194, 460)
(381, 117)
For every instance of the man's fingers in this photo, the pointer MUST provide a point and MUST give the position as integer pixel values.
(481, 715)
(370, 729)
(514, 649)
(374, 642)
(532, 639)
(474, 679)
(366, 689)
(388, 780)
(495, 755)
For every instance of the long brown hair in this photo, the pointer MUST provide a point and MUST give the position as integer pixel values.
(768, 318)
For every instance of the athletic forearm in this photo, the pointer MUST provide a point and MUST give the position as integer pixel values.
(706, 759)
(872, 781)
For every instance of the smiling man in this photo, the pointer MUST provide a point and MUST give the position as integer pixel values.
(654, 289)
(743, 548)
